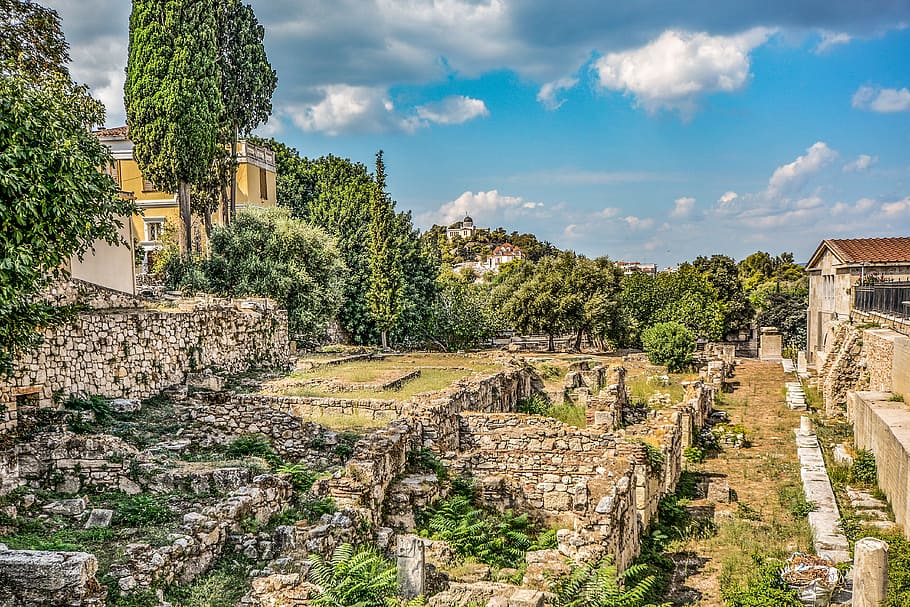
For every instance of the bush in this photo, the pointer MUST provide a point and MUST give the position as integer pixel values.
(144, 511)
(765, 589)
(670, 344)
(359, 577)
(864, 469)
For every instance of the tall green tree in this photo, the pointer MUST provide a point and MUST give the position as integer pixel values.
(173, 95)
(384, 294)
(54, 200)
(247, 81)
(723, 274)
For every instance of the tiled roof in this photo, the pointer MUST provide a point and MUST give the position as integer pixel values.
(119, 131)
(506, 249)
(871, 250)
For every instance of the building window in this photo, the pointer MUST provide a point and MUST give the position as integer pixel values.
(263, 184)
(147, 185)
(828, 292)
(113, 171)
(154, 229)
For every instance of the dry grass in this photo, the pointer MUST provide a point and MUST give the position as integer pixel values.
(352, 423)
(430, 380)
(763, 477)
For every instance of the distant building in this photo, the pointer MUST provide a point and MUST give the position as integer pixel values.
(504, 253)
(464, 229)
(836, 268)
(632, 267)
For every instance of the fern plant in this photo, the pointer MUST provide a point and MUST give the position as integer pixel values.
(354, 577)
(598, 585)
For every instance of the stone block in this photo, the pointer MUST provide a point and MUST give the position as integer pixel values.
(99, 517)
(68, 507)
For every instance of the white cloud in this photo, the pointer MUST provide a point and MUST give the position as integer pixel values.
(885, 101)
(675, 69)
(344, 108)
(638, 223)
(608, 213)
(548, 95)
(483, 204)
(832, 39)
(454, 109)
(682, 207)
(728, 197)
(862, 163)
(791, 177)
(899, 207)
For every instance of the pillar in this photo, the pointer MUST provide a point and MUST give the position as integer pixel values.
(870, 572)
(411, 569)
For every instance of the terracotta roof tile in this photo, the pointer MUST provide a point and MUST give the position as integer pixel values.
(871, 250)
(119, 131)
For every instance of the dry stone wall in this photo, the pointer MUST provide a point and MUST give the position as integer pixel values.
(138, 352)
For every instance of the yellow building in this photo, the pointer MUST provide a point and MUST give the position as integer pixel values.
(255, 187)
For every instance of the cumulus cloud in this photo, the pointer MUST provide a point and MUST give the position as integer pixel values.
(682, 207)
(897, 208)
(454, 109)
(608, 213)
(861, 163)
(727, 197)
(345, 108)
(341, 108)
(484, 204)
(638, 223)
(674, 70)
(549, 94)
(793, 176)
(885, 101)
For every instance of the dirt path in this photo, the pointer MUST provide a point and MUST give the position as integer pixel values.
(764, 479)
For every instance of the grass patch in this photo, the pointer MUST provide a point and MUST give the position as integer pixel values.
(567, 412)
(644, 386)
(430, 380)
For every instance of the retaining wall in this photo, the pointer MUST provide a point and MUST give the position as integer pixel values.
(883, 427)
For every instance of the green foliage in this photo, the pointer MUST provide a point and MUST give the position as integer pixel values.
(424, 460)
(462, 314)
(599, 585)
(498, 539)
(353, 577)
(684, 296)
(307, 507)
(386, 280)
(299, 475)
(567, 412)
(896, 398)
(670, 344)
(722, 274)
(54, 202)
(793, 499)
(694, 454)
(143, 510)
(864, 469)
(764, 589)
(568, 292)
(265, 252)
(786, 311)
(255, 445)
(223, 586)
(172, 95)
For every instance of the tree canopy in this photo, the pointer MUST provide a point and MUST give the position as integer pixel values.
(173, 95)
(54, 199)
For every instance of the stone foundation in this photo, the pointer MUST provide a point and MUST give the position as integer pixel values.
(49, 579)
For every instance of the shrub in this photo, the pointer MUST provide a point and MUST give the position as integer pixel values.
(670, 344)
(358, 577)
(694, 454)
(598, 585)
(864, 469)
(299, 475)
(143, 511)
(765, 589)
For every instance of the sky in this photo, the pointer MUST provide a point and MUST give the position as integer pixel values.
(651, 130)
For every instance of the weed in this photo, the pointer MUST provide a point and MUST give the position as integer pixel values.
(299, 475)
(694, 454)
(793, 500)
(864, 469)
(144, 510)
(897, 398)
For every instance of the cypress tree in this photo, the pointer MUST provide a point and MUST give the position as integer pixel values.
(172, 95)
(384, 294)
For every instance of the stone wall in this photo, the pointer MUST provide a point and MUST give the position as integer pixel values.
(49, 579)
(429, 422)
(863, 359)
(883, 427)
(138, 352)
(202, 537)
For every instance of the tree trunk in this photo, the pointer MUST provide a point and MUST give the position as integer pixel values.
(233, 177)
(385, 344)
(208, 223)
(183, 201)
(578, 339)
(550, 346)
(225, 207)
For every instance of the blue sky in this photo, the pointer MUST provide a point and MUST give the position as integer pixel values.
(652, 131)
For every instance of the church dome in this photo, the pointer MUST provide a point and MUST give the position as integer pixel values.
(467, 221)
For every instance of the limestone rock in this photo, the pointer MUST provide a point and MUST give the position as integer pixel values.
(99, 517)
(68, 507)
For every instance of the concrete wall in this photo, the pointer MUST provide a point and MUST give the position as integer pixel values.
(883, 427)
(111, 266)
